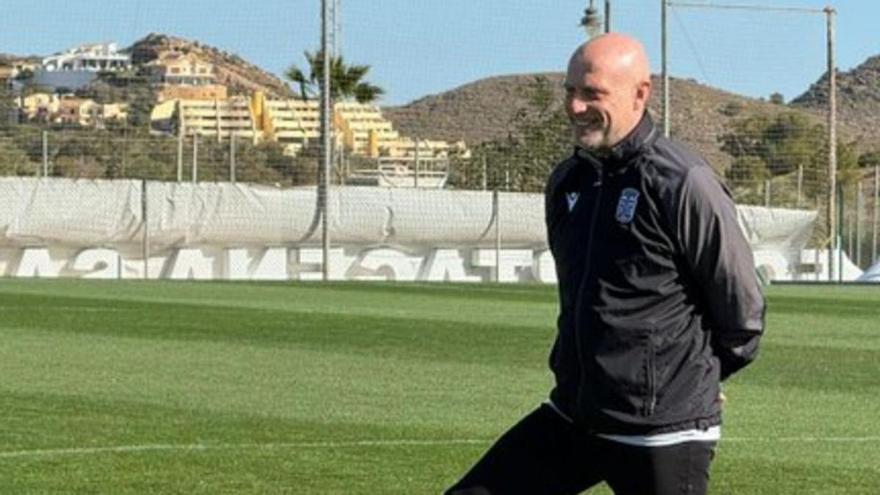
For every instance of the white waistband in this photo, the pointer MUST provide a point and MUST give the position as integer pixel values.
(712, 434)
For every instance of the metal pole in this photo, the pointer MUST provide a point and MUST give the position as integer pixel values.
(146, 238)
(832, 139)
(232, 157)
(850, 238)
(767, 193)
(874, 223)
(325, 134)
(838, 239)
(753, 7)
(607, 16)
(664, 42)
(497, 207)
(416, 180)
(485, 173)
(195, 163)
(45, 153)
(180, 137)
(800, 185)
(860, 204)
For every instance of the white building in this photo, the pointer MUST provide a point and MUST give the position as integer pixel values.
(95, 57)
(79, 66)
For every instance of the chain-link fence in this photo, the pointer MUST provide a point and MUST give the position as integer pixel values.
(774, 150)
(196, 96)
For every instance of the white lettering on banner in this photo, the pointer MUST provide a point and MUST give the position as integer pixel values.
(388, 264)
(514, 264)
(446, 265)
(97, 263)
(191, 263)
(257, 264)
(279, 263)
(7, 257)
(37, 262)
(133, 265)
(543, 267)
(313, 258)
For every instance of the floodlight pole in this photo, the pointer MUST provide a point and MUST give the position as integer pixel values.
(590, 21)
(832, 145)
(325, 135)
(874, 224)
(664, 40)
(607, 16)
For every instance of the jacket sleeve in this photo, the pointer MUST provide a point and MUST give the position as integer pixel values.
(721, 265)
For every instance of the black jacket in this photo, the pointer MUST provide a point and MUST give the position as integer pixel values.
(659, 300)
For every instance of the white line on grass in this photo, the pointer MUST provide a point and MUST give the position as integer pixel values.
(72, 309)
(803, 439)
(126, 449)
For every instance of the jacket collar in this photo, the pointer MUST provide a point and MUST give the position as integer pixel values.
(644, 133)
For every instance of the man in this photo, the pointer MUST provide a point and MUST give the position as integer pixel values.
(659, 302)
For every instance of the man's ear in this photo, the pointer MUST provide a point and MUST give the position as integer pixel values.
(643, 94)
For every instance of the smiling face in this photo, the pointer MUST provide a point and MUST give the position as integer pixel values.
(606, 90)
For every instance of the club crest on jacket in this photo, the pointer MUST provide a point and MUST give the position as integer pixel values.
(572, 199)
(626, 205)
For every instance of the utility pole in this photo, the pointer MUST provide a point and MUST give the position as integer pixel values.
(832, 143)
(326, 141)
(232, 163)
(607, 16)
(195, 158)
(664, 44)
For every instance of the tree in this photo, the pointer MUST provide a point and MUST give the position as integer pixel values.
(848, 172)
(538, 137)
(788, 149)
(8, 108)
(346, 81)
(746, 178)
(870, 159)
(13, 160)
(777, 99)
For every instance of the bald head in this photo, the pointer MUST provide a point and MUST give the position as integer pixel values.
(621, 54)
(608, 84)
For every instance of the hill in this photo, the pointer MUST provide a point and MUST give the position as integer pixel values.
(858, 101)
(484, 110)
(241, 76)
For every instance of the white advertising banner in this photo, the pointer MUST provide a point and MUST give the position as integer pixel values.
(135, 229)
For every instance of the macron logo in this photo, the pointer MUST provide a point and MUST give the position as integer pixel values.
(572, 199)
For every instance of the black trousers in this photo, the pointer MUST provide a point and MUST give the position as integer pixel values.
(544, 454)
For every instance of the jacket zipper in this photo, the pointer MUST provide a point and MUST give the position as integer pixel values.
(651, 373)
(597, 203)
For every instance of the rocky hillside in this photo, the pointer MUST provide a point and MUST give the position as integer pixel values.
(10, 59)
(484, 110)
(240, 76)
(858, 101)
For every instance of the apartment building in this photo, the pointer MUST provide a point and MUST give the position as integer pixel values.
(176, 68)
(361, 131)
(70, 110)
(39, 106)
(186, 92)
(214, 119)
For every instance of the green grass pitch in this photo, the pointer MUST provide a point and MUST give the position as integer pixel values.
(248, 388)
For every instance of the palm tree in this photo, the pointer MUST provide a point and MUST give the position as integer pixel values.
(346, 81)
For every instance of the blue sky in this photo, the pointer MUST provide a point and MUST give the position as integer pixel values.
(417, 48)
